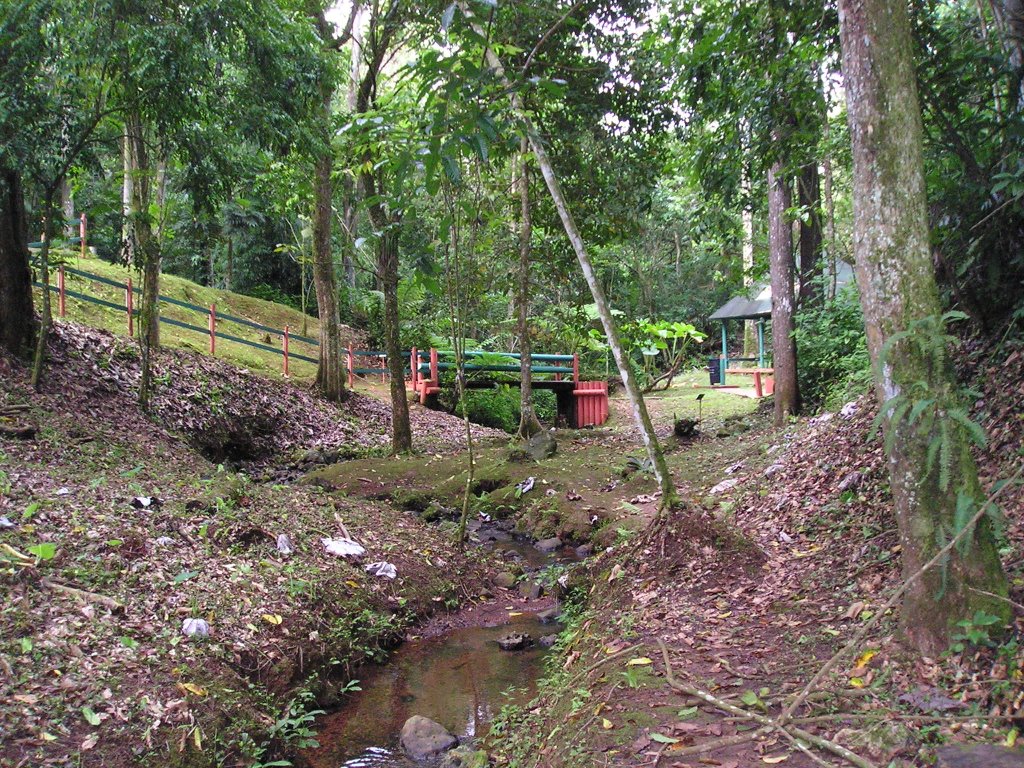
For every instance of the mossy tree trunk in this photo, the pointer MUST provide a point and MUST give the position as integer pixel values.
(528, 423)
(780, 252)
(387, 269)
(17, 324)
(898, 289)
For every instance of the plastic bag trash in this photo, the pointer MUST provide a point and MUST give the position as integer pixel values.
(164, 541)
(145, 502)
(526, 486)
(195, 628)
(63, 491)
(284, 544)
(344, 547)
(382, 569)
(5, 522)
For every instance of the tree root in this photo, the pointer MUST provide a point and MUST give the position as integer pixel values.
(81, 594)
(789, 730)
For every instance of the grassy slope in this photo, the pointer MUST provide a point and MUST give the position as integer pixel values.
(257, 310)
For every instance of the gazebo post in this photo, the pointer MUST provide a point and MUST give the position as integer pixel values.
(760, 343)
(725, 353)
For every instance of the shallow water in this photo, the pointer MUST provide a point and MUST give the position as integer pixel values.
(460, 679)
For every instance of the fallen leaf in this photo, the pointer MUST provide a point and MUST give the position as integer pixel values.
(774, 760)
(198, 690)
(661, 739)
(640, 661)
(606, 723)
(272, 618)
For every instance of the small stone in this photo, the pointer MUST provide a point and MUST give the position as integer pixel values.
(548, 640)
(880, 740)
(849, 409)
(504, 580)
(539, 447)
(773, 470)
(531, 590)
(548, 616)
(584, 550)
(549, 545)
(465, 757)
(422, 738)
(284, 544)
(724, 486)
(5, 522)
(851, 481)
(515, 641)
(163, 541)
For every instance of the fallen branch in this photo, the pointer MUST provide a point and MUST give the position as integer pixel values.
(725, 741)
(81, 594)
(18, 433)
(810, 738)
(859, 636)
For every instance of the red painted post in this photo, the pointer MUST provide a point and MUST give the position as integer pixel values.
(213, 329)
(81, 232)
(60, 290)
(129, 301)
(576, 369)
(285, 350)
(351, 374)
(435, 380)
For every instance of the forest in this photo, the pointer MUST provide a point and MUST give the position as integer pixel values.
(661, 359)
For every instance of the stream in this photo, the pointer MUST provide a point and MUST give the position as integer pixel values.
(460, 679)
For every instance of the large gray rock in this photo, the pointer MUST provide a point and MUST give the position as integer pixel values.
(539, 447)
(422, 738)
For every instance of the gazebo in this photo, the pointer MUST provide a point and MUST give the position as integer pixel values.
(759, 308)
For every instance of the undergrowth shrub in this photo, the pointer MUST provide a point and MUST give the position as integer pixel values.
(834, 366)
(498, 407)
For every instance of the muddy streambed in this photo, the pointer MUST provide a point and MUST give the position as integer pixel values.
(460, 679)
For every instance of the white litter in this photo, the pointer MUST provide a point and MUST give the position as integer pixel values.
(284, 544)
(195, 628)
(382, 569)
(344, 547)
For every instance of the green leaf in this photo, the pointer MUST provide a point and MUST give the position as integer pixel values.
(750, 698)
(185, 576)
(90, 717)
(687, 713)
(662, 739)
(45, 551)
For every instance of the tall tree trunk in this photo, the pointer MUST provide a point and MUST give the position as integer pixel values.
(67, 207)
(809, 198)
(780, 247)
(898, 293)
(750, 345)
(830, 213)
(629, 383)
(387, 268)
(17, 323)
(143, 248)
(45, 315)
(329, 377)
(528, 423)
(350, 211)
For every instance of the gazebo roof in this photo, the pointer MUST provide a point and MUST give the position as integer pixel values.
(743, 307)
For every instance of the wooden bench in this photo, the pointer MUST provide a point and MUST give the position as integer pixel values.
(764, 380)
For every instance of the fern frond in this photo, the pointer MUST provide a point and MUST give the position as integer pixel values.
(973, 428)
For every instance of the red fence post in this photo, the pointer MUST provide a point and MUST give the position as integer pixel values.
(213, 329)
(285, 350)
(129, 302)
(60, 290)
(351, 373)
(81, 232)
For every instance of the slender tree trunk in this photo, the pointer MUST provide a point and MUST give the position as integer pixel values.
(750, 347)
(144, 249)
(629, 383)
(67, 207)
(387, 267)
(830, 213)
(127, 169)
(528, 423)
(329, 376)
(45, 314)
(787, 393)
(898, 289)
(809, 198)
(17, 323)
